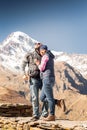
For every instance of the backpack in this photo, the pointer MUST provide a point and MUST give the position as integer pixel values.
(33, 70)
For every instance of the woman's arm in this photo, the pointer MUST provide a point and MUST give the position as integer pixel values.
(43, 63)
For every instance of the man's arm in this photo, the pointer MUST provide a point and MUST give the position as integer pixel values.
(25, 62)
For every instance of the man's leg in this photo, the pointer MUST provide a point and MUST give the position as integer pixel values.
(44, 111)
(35, 96)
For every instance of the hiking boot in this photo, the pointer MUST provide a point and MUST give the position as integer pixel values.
(61, 103)
(50, 118)
(43, 116)
(34, 118)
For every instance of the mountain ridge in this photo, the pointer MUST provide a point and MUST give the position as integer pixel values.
(14, 47)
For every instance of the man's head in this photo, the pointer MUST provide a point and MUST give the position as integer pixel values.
(43, 49)
(37, 45)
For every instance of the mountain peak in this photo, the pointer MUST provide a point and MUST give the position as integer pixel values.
(17, 41)
(18, 37)
(13, 49)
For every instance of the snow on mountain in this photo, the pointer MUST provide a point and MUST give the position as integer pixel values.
(13, 49)
(78, 61)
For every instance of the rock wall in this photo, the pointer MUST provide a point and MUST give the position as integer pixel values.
(15, 110)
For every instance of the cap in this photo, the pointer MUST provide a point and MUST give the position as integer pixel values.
(44, 47)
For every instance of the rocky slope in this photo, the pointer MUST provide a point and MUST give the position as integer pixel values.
(71, 86)
(67, 77)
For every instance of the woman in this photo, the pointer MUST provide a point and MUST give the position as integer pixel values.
(46, 68)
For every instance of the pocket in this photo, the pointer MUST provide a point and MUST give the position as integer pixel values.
(46, 81)
(49, 81)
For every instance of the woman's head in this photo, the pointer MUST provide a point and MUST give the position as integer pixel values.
(43, 49)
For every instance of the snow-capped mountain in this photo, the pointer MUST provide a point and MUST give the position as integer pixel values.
(13, 49)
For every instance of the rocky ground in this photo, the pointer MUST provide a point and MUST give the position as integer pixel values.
(24, 123)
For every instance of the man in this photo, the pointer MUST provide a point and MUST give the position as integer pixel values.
(34, 78)
(46, 68)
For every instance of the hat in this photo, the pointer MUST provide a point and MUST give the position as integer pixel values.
(44, 47)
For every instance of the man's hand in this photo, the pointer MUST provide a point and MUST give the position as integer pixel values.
(37, 62)
(25, 77)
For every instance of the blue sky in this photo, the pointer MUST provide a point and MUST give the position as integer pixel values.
(61, 24)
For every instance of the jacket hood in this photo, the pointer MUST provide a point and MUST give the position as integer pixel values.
(50, 54)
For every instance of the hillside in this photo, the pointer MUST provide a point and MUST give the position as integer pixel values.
(68, 78)
(13, 90)
(71, 86)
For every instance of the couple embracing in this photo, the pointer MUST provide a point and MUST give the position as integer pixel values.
(42, 77)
